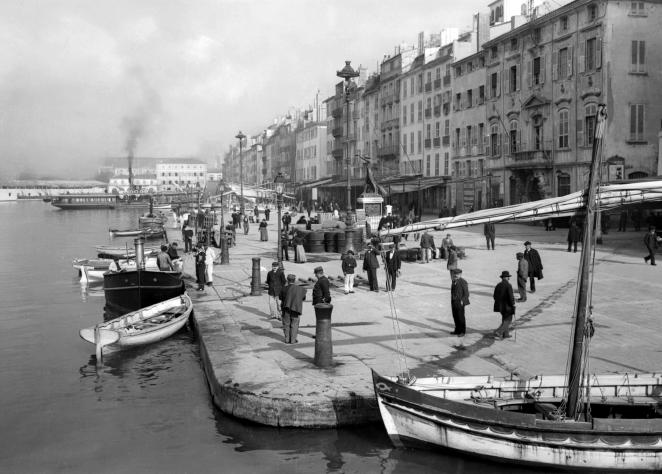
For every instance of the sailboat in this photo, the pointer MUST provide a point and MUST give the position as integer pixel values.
(575, 420)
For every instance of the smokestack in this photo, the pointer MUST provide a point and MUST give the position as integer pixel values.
(140, 253)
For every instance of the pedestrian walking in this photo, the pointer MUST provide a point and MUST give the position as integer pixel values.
(321, 293)
(299, 251)
(246, 224)
(535, 265)
(650, 241)
(287, 219)
(188, 238)
(451, 263)
(574, 233)
(393, 263)
(348, 266)
(210, 256)
(285, 245)
(264, 236)
(504, 303)
(267, 211)
(275, 284)
(427, 244)
(446, 244)
(292, 306)
(489, 233)
(459, 299)
(256, 214)
(370, 265)
(522, 275)
(200, 267)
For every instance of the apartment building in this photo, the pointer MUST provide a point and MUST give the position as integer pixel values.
(181, 174)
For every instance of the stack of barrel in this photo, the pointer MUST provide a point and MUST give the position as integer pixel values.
(315, 241)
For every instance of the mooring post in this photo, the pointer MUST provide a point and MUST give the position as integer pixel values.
(323, 343)
(256, 281)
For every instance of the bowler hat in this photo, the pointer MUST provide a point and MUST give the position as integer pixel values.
(505, 274)
(527, 243)
(350, 251)
(519, 254)
(291, 277)
(318, 270)
(456, 270)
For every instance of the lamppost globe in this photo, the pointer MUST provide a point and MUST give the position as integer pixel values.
(347, 73)
(240, 136)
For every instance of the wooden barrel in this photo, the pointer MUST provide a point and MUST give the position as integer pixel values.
(340, 241)
(316, 242)
(330, 241)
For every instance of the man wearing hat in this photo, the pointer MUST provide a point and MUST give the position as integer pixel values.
(392, 261)
(459, 299)
(293, 296)
(348, 266)
(535, 264)
(321, 293)
(275, 283)
(370, 265)
(522, 275)
(200, 266)
(504, 303)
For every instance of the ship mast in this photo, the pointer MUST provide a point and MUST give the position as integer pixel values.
(583, 301)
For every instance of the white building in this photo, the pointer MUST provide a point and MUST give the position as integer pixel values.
(178, 175)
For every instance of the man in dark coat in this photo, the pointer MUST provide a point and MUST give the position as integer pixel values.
(275, 283)
(293, 296)
(200, 267)
(573, 234)
(489, 233)
(459, 299)
(504, 303)
(392, 266)
(321, 293)
(535, 264)
(285, 245)
(348, 266)
(267, 211)
(287, 219)
(522, 275)
(370, 265)
(427, 245)
(650, 241)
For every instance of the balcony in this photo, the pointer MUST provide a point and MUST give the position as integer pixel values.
(428, 143)
(437, 110)
(447, 80)
(436, 142)
(446, 140)
(389, 151)
(337, 132)
(428, 87)
(526, 155)
(428, 113)
(437, 83)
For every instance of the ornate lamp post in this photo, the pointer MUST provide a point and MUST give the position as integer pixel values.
(278, 181)
(347, 73)
(240, 136)
(225, 256)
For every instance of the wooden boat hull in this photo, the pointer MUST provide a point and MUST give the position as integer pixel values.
(134, 289)
(144, 326)
(418, 418)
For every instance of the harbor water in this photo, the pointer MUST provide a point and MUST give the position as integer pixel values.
(146, 410)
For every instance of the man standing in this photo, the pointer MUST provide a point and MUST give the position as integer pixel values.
(256, 214)
(459, 299)
(210, 256)
(370, 265)
(504, 303)
(574, 234)
(427, 244)
(200, 266)
(348, 266)
(285, 245)
(535, 264)
(446, 243)
(275, 283)
(392, 266)
(321, 293)
(163, 260)
(490, 233)
(623, 220)
(292, 308)
(187, 232)
(267, 211)
(286, 221)
(522, 275)
(650, 241)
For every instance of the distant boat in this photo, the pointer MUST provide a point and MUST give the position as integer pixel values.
(149, 233)
(109, 251)
(143, 326)
(85, 201)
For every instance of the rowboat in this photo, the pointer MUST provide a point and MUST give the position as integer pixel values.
(109, 251)
(144, 326)
(92, 270)
(147, 233)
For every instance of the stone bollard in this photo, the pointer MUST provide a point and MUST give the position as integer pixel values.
(323, 343)
(256, 281)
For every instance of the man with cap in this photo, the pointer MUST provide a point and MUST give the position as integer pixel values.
(348, 266)
(293, 296)
(275, 283)
(535, 264)
(504, 303)
(200, 266)
(321, 293)
(459, 299)
(522, 275)
(370, 265)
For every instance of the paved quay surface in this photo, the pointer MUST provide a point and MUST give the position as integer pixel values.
(255, 376)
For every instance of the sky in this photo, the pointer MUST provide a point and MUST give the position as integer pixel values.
(82, 80)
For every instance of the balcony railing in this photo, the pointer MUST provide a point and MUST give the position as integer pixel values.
(389, 151)
(532, 152)
(437, 83)
(428, 86)
(447, 80)
(436, 142)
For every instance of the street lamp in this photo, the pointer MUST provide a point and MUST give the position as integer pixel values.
(240, 136)
(278, 181)
(347, 73)
(225, 257)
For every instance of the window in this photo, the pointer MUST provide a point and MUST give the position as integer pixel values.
(592, 57)
(494, 52)
(411, 142)
(411, 113)
(563, 23)
(404, 115)
(469, 136)
(437, 73)
(404, 89)
(563, 70)
(468, 167)
(470, 98)
(447, 128)
(638, 56)
(458, 71)
(428, 129)
(591, 13)
(446, 163)
(513, 136)
(494, 84)
(481, 94)
(537, 76)
(637, 122)
(513, 44)
(470, 66)
(536, 36)
(537, 134)
(637, 9)
(563, 184)
(404, 141)
(420, 141)
(458, 101)
(436, 164)
(427, 166)
(437, 129)
(590, 121)
(563, 128)
(514, 86)
(494, 140)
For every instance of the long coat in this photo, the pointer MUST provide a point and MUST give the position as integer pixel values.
(460, 291)
(535, 263)
(293, 298)
(650, 241)
(488, 230)
(321, 293)
(504, 300)
(393, 262)
(275, 282)
(574, 233)
(370, 260)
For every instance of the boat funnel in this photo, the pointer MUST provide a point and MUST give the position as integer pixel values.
(139, 244)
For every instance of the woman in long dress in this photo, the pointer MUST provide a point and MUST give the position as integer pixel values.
(299, 252)
(263, 231)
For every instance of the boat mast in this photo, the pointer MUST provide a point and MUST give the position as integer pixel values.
(582, 302)
(130, 171)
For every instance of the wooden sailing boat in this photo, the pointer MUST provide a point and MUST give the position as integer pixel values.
(576, 420)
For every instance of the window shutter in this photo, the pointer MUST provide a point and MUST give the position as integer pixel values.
(506, 82)
(571, 50)
(642, 56)
(543, 64)
(580, 133)
(499, 144)
(498, 84)
(640, 122)
(506, 144)
(582, 57)
(598, 52)
(486, 144)
(518, 140)
(555, 70)
(529, 75)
